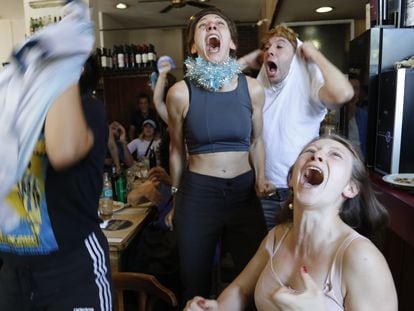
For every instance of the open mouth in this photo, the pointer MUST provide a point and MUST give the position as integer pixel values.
(213, 44)
(313, 176)
(272, 67)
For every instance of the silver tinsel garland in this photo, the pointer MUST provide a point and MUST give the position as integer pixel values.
(211, 76)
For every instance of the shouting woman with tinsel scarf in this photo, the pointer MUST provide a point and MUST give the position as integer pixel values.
(217, 112)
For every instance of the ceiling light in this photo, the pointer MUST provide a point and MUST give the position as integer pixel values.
(324, 9)
(121, 6)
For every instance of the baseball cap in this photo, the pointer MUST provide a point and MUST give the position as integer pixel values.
(150, 122)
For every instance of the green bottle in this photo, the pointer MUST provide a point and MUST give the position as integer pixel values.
(120, 189)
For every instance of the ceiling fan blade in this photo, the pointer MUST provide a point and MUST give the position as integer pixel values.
(166, 9)
(149, 1)
(199, 4)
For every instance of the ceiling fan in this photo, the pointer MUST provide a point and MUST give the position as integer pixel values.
(177, 4)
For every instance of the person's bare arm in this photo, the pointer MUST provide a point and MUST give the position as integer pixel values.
(177, 105)
(128, 158)
(239, 293)
(252, 60)
(368, 281)
(67, 135)
(336, 90)
(257, 153)
(113, 150)
(158, 97)
(131, 132)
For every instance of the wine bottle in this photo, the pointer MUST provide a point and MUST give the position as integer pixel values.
(144, 56)
(114, 58)
(121, 57)
(109, 59)
(138, 57)
(104, 63)
(152, 57)
(114, 177)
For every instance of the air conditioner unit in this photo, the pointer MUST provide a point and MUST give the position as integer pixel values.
(46, 4)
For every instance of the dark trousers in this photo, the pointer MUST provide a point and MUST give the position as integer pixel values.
(272, 206)
(208, 210)
(77, 280)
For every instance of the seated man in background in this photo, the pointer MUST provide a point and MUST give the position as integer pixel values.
(142, 112)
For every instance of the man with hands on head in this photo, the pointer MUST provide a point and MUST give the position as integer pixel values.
(300, 86)
(118, 147)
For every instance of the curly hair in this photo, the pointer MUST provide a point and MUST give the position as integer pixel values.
(284, 32)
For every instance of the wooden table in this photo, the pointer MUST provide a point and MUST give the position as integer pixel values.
(398, 246)
(119, 240)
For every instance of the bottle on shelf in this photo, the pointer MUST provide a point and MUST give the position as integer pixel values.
(32, 25)
(144, 56)
(120, 57)
(138, 56)
(131, 56)
(104, 61)
(114, 59)
(106, 201)
(126, 57)
(109, 59)
(152, 57)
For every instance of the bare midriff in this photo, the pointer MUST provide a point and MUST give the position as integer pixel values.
(220, 164)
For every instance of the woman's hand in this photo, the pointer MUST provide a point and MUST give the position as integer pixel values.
(160, 175)
(312, 298)
(253, 60)
(264, 188)
(199, 304)
(147, 189)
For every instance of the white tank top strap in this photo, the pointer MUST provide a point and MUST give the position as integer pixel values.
(333, 283)
(275, 249)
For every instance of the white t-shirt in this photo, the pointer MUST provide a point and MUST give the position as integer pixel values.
(141, 146)
(291, 117)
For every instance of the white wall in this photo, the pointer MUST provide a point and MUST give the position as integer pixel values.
(11, 34)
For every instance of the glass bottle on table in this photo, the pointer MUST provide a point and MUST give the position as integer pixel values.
(106, 200)
(152, 157)
(114, 177)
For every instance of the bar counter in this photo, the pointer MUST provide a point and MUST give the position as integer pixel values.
(398, 247)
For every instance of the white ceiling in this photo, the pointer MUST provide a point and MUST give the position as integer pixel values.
(145, 13)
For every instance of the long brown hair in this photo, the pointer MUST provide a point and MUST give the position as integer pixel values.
(364, 212)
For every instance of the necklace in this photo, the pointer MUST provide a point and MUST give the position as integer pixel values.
(211, 76)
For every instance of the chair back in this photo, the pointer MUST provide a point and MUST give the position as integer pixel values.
(147, 287)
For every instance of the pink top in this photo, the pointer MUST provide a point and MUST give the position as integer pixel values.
(269, 281)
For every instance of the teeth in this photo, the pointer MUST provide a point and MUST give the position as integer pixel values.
(314, 175)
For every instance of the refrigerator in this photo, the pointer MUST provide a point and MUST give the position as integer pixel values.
(371, 54)
(394, 151)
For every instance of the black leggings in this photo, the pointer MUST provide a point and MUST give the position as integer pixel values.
(208, 209)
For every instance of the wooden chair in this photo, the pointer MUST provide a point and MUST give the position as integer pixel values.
(147, 287)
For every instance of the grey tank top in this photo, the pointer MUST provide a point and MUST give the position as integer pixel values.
(218, 121)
